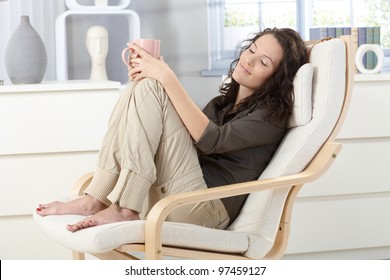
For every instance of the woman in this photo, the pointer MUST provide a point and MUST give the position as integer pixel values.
(160, 143)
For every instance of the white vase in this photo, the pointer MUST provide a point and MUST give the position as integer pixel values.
(25, 55)
(362, 50)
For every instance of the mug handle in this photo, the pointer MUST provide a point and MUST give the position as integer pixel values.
(126, 58)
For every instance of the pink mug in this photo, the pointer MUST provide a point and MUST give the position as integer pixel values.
(151, 46)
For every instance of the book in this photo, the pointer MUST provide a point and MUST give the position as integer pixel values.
(347, 31)
(377, 35)
(318, 33)
(362, 39)
(355, 43)
(360, 35)
(339, 32)
(332, 32)
(370, 55)
(372, 37)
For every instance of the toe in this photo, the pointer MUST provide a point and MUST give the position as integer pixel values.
(73, 228)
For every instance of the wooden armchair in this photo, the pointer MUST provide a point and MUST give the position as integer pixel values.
(261, 231)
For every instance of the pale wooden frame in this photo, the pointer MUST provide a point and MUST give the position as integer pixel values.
(153, 247)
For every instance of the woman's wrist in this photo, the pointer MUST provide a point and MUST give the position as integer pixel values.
(167, 77)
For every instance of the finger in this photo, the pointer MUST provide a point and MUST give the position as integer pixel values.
(131, 74)
(135, 61)
(135, 77)
(140, 51)
(133, 65)
(138, 78)
(134, 70)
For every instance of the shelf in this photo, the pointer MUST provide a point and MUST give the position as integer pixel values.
(384, 76)
(60, 86)
(74, 5)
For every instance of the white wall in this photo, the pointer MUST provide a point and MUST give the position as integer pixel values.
(183, 28)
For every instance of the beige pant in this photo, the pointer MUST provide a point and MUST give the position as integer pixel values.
(147, 154)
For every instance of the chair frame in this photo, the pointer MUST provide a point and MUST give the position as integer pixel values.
(320, 163)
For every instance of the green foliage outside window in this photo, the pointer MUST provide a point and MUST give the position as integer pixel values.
(240, 19)
(380, 16)
(377, 13)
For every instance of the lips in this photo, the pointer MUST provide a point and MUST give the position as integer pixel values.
(245, 70)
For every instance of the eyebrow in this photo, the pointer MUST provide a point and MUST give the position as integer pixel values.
(254, 43)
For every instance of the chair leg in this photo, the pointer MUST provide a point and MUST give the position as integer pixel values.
(78, 256)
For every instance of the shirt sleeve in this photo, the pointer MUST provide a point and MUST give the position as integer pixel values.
(239, 133)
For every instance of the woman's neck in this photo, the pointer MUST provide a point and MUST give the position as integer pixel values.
(243, 92)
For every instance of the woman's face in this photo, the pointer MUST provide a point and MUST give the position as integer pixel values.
(258, 63)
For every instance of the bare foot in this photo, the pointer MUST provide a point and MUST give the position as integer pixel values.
(86, 205)
(111, 214)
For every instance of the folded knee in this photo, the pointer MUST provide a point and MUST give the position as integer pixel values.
(149, 87)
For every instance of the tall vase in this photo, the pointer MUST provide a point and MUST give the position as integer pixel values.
(25, 55)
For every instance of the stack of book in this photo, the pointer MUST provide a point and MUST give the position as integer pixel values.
(361, 35)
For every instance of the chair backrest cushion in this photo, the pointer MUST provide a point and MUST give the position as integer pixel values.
(302, 110)
(262, 211)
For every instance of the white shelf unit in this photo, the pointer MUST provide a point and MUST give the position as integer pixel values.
(73, 4)
(346, 213)
(61, 38)
(50, 134)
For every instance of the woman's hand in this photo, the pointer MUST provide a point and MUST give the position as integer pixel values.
(144, 65)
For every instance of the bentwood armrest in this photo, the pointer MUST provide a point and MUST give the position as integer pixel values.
(82, 183)
(159, 212)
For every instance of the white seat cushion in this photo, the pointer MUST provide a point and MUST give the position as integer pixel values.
(104, 238)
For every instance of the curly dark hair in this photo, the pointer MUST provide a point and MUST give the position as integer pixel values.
(276, 95)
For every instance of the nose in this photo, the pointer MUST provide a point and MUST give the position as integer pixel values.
(99, 46)
(249, 61)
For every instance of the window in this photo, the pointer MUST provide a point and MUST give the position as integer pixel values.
(232, 20)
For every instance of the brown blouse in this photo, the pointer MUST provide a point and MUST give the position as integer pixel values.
(236, 148)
